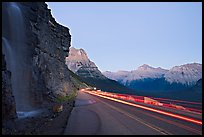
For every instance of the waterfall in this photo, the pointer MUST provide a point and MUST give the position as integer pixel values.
(6, 49)
(16, 56)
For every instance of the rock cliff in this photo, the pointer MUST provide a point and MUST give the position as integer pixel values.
(35, 47)
(8, 101)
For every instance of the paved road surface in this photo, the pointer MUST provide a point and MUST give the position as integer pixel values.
(98, 116)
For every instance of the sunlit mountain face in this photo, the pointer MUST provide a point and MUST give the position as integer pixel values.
(79, 63)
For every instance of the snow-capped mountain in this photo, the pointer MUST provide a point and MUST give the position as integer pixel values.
(119, 75)
(142, 72)
(146, 71)
(187, 74)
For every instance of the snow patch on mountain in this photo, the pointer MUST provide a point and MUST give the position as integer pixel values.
(144, 71)
(120, 75)
(187, 74)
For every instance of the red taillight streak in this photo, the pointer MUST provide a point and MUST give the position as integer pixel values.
(161, 99)
(177, 100)
(190, 109)
(150, 109)
(194, 110)
(125, 97)
(198, 106)
(119, 96)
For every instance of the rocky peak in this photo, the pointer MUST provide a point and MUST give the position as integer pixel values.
(189, 66)
(79, 63)
(77, 55)
(78, 59)
(186, 74)
(145, 67)
(144, 71)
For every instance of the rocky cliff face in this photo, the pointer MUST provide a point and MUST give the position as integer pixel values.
(79, 63)
(77, 59)
(49, 54)
(36, 60)
(8, 101)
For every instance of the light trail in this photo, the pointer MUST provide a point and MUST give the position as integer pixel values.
(136, 99)
(166, 102)
(174, 123)
(177, 100)
(165, 99)
(150, 109)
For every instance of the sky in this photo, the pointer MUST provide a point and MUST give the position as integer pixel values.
(125, 35)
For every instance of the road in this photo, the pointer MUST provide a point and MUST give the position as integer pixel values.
(93, 115)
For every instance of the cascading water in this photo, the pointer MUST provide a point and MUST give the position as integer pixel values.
(16, 55)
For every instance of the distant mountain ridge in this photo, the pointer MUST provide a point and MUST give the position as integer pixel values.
(187, 74)
(182, 82)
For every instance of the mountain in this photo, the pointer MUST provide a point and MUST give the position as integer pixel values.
(146, 71)
(147, 78)
(119, 76)
(80, 64)
(143, 72)
(77, 59)
(187, 74)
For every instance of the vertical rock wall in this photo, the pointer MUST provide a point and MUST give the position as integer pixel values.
(50, 42)
(8, 101)
(47, 44)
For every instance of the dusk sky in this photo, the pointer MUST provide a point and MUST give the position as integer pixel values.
(126, 35)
